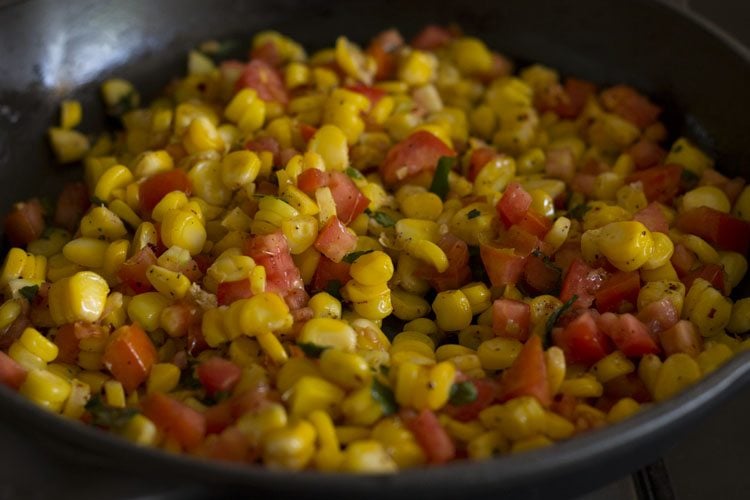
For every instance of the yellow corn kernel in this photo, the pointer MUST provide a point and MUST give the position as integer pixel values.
(293, 370)
(398, 442)
(407, 306)
(472, 336)
(530, 443)
(328, 456)
(171, 284)
(676, 373)
(152, 162)
(78, 297)
(627, 245)
(38, 344)
(739, 320)
(663, 273)
(662, 251)
(46, 389)
(68, 145)
(50, 243)
(735, 267)
(101, 222)
(558, 233)
(612, 366)
(313, 393)
(183, 229)
(602, 214)
(441, 379)
(115, 177)
(145, 309)
(348, 370)
(140, 430)
(246, 110)
(359, 407)
(9, 311)
(449, 351)
(519, 418)
(648, 370)
(76, 404)
(711, 312)
(163, 377)
(585, 387)
(256, 425)
(557, 427)
(14, 265)
(624, 408)
(494, 176)
(86, 252)
(742, 205)
(705, 252)
(487, 445)
(685, 153)
(427, 206)
(631, 198)
(93, 379)
(706, 196)
(714, 355)
(170, 201)
(368, 457)
(498, 353)
(145, 235)
(114, 394)
(372, 268)
(329, 332)
(25, 358)
(331, 144)
(417, 68)
(654, 291)
(290, 447)
(452, 310)
(272, 347)
(70, 114)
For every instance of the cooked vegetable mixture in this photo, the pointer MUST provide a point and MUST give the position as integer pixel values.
(371, 259)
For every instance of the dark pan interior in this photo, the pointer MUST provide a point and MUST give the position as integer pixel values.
(54, 49)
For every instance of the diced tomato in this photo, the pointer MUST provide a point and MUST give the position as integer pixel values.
(541, 275)
(71, 205)
(133, 271)
(660, 183)
(652, 216)
(153, 189)
(503, 265)
(311, 179)
(24, 223)
(619, 293)
(583, 183)
(659, 315)
(229, 291)
(431, 37)
(230, 446)
(307, 131)
(266, 81)
(458, 272)
(12, 332)
(11, 373)
(628, 386)
(417, 153)
(629, 104)
(196, 342)
(175, 419)
(629, 335)
(523, 242)
(218, 375)
(513, 205)
(218, 417)
(511, 318)
(382, 49)
(560, 164)
(682, 337)
(287, 154)
(479, 158)
(329, 271)
(718, 228)
(583, 281)
(582, 341)
(528, 374)
(713, 273)
(374, 94)
(282, 276)
(576, 94)
(646, 153)
(431, 436)
(176, 318)
(536, 224)
(350, 202)
(267, 52)
(733, 188)
(486, 391)
(267, 143)
(68, 338)
(129, 356)
(334, 240)
(683, 260)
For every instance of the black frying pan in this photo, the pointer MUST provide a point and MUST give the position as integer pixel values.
(52, 49)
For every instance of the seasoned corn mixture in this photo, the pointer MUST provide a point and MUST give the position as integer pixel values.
(370, 259)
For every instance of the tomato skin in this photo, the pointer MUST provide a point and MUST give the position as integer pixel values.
(431, 37)
(268, 53)
(133, 271)
(583, 281)
(681, 337)
(129, 356)
(646, 153)
(153, 189)
(458, 272)
(536, 224)
(11, 373)
(619, 293)
(541, 276)
(282, 276)
(479, 158)
(350, 202)
(713, 273)
(69, 336)
(260, 144)
(417, 153)
(265, 80)
(528, 374)
(486, 391)
(504, 266)
(431, 436)
(511, 318)
(229, 291)
(334, 240)
(718, 228)
(576, 94)
(629, 335)
(374, 94)
(218, 375)
(71, 205)
(176, 420)
(630, 105)
(659, 316)
(683, 259)
(24, 223)
(653, 218)
(628, 386)
(560, 164)
(311, 179)
(382, 49)
(661, 183)
(514, 204)
(582, 341)
(329, 271)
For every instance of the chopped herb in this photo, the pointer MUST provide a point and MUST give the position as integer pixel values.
(108, 417)
(368, 211)
(354, 173)
(383, 395)
(552, 320)
(312, 350)
(384, 370)
(29, 292)
(333, 288)
(353, 256)
(127, 102)
(383, 219)
(578, 211)
(463, 393)
(473, 214)
(188, 378)
(97, 201)
(440, 184)
(689, 178)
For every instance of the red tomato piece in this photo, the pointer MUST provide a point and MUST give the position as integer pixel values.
(382, 49)
(560, 164)
(11, 373)
(576, 93)
(260, 144)
(24, 223)
(653, 218)
(266, 81)
(660, 183)
(628, 386)
(196, 342)
(329, 271)
(218, 417)
(683, 260)
(540, 275)
(68, 338)
(307, 131)
(486, 391)
(536, 224)
(582, 341)
(177, 318)
(503, 265)
(229, 291)
(153, 189)
(659, 316)
(523, 242)
(528, 374)
(282, 276)
(458, 272)
(71, 205)
(230, 445)
(431, 436)
(479, 158)
(646, 153)
(713, 273)
(133, 271)
(374, 94)
(630, 105)
(718, 228)
(629, 335)
(218, 375)
(514, 204)
(129, 356)
(334, 240)
(619, 293)
(312, 179)
(511, 318)
(267, 52)
(681, 337)
(417, 153)
(350, 202)
(583, 281)
(432, 37)
(175, 419)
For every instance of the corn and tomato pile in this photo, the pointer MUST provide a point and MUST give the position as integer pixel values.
(371, 259)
